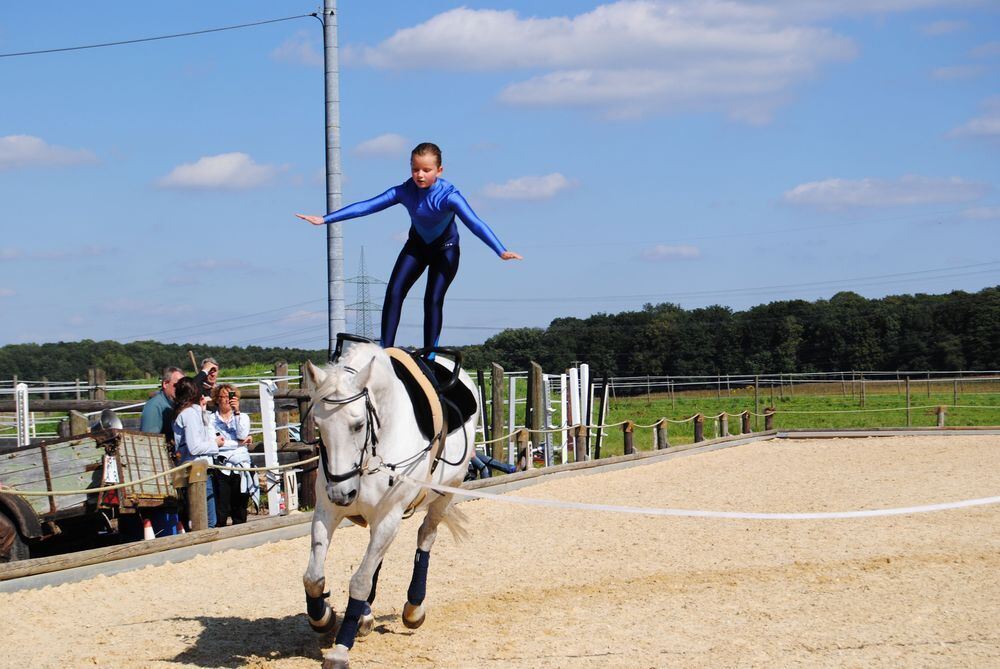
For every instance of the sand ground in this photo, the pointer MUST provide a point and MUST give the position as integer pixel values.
(536, 587)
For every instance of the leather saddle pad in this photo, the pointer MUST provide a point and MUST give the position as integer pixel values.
(422, 380)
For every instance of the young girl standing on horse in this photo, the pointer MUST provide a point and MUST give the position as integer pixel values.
(433, 203)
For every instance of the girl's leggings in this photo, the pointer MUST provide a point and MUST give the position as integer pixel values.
(441, 263)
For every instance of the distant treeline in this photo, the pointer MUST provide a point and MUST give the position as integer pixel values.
(847, 332)
(66, 361)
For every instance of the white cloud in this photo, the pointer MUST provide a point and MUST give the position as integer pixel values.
(27, 151)
(7, 292)
(957, 72)
(667, 252)
(388, 145)
(982, 214)
(88, 251)
(943, 27)
(907, 190)
(529, 187)
(300, 49)
(985, 125)
(227, 171)
(987, 50)
(628, 58)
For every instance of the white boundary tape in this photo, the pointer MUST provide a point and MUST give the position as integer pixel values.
(696, 513)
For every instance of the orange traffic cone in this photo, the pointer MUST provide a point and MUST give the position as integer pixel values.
(147, 530)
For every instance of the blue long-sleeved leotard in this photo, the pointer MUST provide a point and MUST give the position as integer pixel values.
(432, 212)
(432, 246)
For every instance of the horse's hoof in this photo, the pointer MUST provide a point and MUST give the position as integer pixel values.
(414, 615)
(326, 624)
(336, 658)
(366, 625)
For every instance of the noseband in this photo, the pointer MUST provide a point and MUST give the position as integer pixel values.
(371, 437)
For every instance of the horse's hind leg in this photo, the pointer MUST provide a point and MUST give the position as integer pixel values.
(321, 616)
(414, 612)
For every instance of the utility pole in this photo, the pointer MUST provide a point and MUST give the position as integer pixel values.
(334, 232)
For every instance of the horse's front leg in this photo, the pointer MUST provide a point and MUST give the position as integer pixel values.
(362, 589)
(324, 522)
(414, 612)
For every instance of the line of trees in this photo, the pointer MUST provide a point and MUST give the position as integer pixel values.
(958, 330)
(847, 332)
(65, 361)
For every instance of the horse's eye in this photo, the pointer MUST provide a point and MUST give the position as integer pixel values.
(357, 427)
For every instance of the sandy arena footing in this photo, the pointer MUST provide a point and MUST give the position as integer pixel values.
(558, 588)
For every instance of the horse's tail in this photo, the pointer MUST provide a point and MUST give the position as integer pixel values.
(457, 523)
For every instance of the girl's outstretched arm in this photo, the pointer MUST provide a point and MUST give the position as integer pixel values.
(363, 208)
(478, 226)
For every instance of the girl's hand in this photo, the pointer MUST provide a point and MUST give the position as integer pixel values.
(248, 441)
(510, 255)
(315, 220)
(219, 441)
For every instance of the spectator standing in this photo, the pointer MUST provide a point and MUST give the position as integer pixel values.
(158, 412)
(233, 490)
(207, 377)
(193, 438)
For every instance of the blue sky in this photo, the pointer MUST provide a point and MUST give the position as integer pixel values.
(700, 153)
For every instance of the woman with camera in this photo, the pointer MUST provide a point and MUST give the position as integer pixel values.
(193, 439)
(233, 489)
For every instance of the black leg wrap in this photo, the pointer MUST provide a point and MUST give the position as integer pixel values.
(371, 595)
(315, 606)
(418, 584)
(352, 617)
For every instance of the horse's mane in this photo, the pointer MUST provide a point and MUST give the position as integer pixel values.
(338, 376)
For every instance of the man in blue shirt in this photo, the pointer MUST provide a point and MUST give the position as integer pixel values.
(158, 413)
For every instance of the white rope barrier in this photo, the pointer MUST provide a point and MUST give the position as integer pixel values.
(697, 513)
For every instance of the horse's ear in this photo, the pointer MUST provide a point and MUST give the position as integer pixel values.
(316, 373)
(370, 376)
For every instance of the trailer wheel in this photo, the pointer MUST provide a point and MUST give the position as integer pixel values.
(12, 546)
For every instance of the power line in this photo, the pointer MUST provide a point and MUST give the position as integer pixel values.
(153, 39)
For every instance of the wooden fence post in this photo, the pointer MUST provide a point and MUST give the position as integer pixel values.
(538, 404)
(281, 417)
(941, 413)
(524, 448)
(101, 381)
(45, 388)
(699, 427)
(90, 383)
(756, 396)
(628, 428)
(864, 394)
(580, 443)
(307, 428)
(661, 434)
(769, 418)
(723, 424)
(496, 380)
(745, 422)
(197, 495)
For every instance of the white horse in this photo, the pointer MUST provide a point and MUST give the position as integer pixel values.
(370, 437)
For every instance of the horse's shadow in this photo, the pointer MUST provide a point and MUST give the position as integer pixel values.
(231, 642)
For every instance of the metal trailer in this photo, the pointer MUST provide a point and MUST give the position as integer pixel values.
(37, 525)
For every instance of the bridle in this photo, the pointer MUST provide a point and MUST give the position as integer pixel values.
(371, 437)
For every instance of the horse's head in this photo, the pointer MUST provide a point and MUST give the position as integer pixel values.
(345, 409)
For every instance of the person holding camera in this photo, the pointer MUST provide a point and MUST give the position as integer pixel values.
(233, 490)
